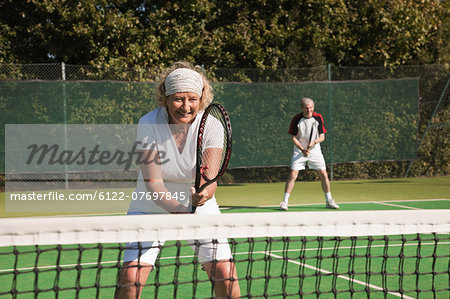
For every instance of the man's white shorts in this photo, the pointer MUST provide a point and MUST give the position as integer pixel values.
(207, 250)
(314, 160)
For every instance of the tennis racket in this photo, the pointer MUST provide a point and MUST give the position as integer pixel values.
(310, 137)
(213, 147)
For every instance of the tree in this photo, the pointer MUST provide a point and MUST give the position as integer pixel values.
(224, 34)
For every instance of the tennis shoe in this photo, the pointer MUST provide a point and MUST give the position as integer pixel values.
(331, 204)
(284, 206)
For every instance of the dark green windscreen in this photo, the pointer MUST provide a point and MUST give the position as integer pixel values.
(366, 120)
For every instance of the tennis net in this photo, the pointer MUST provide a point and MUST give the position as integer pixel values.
(389, 254)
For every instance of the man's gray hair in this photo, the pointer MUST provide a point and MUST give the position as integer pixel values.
(306, 101)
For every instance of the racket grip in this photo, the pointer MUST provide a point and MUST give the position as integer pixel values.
(193, 208)
(198, 190)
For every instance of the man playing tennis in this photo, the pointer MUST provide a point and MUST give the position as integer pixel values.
(308, 131)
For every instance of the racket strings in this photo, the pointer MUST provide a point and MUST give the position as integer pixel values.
(213, 145)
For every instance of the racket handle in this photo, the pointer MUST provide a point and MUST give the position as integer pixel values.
(198, 190)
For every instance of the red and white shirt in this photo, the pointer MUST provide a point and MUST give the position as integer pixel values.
(301, 128)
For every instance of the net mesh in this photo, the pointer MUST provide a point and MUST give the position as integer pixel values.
(393, 254)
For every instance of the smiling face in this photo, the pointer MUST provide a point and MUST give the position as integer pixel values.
(308, 110)
(182, 107)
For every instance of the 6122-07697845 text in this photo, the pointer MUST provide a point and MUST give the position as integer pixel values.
(96, 195)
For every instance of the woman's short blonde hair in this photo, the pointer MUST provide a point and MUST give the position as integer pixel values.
(207, 92)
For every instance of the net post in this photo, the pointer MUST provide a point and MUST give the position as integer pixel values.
(64, 95)
(329, 113)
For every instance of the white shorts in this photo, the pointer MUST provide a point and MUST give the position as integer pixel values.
(207, 250)
(314, 160)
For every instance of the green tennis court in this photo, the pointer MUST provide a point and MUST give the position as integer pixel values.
(408, 266)
(399, 193)
(267, 267)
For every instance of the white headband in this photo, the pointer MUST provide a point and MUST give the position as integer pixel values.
(183, 80)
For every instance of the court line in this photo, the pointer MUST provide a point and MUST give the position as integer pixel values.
(413, 200)
(395, 205)
(357, 202)
(264, 206)
(342, 277)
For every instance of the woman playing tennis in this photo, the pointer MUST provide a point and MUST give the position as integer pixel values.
(168, 136)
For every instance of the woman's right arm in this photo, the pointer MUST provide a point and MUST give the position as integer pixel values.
(152, 174)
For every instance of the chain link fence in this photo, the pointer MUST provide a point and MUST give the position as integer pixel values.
(432, 126)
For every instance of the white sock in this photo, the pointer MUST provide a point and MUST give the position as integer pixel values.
(328, 196)
(286, 197)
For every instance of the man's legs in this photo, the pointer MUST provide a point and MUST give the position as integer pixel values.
(293, 174)
(291, 181)
(326, 189)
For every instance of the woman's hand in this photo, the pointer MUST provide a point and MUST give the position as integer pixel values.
(180, 209)
(199, 199)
